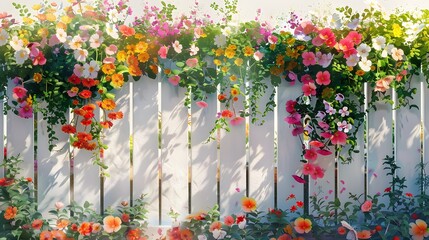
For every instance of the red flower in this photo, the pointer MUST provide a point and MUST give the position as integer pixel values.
(293, 208)
(68, 128)
(409, 194)
(73, 79)
(127, 31)
(388, 189)
(89, 82)
(85, 94)
(227, 113)
(300, 204)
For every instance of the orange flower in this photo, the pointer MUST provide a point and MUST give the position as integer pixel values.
(68, 128)
(117, 80)
(108, 104)
(364, 234)
(134, 234)
(37, 224)
(85, 94)
(248, 204)
(302, 225)
(284, 237)
(143, 57)
(134, 70)
(215, 226)
(126, 31)
(342, 230)
(186, 234)
(10, 213)
(62, 223)
(419, 230)
(59, 235)
(46, 235)
(111, 224)
(85, 229)
(37, 77)
(108, 68)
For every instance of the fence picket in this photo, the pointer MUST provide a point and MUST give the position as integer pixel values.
(174, 152)
(204, 157)
(117, 157)
(53, 169)
(289, 151)
(145, 145)
(2, 136)
(262, 159)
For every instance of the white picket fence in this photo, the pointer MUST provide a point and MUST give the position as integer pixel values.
(192, 177)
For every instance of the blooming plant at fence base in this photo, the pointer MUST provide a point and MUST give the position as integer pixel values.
(19, 218)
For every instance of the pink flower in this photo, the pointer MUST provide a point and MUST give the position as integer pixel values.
(366, 206)
(39, 59)
(317, 41)
(19, 92)
(78, 70)
(318, 173)
(258, 55)
(126, 31)
(316, 144)
(326, 135)
(202, 104)
(290, 106)
(59, 205)
(177, 46)
(109, 60)
(383, 84)
(298, 130)
(323, 78)
(162, 52)
(111, 49)
(306, 27)
(323, 125)
(339, 138)
(324, 152)
(192, 62)
(355, 37)
(306, 78)
(228, 220)
(308, 58)
(272, 39)
(298, 179)
(236, 121)
(326, 34)
(25, 110)
(174, 80)
(310, 154)
(308, 169)
(294, 119)
(309, 89)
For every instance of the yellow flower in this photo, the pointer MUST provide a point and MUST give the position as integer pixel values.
(43, 32)
(233, 78)
(108, 68)
(225, 69)
(272, 47)
(397, 30)
(29, 101)
(238, 61)
(141, 47)
(217, 62)
(143, 57)
(248, 51)
(280, 60)
(138, 36)
(219, 52)
(27, 20)
(37, 77)
(37, 7)
(66, 19)
(167, 71)
(230, 53)
(291, 41)
(300, 47)
(121, 56)
(117, 80)
(235, 91)
(51, 17)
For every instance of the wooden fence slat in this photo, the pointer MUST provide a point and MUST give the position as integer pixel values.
(289, 151)
(117, 157)
(2, 138)
(53, 169)
(262, 159)
(204, 157)
(232, 167)
(174, 152)
(145, 145)
(86, 176)
(408, 152)
(424, 106)
(379, 145)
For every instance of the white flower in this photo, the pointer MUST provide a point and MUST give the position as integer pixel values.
(397, 54)
(379, 42)
(3, 37)
(334, 21)
(113, 15)
(242, 224)
(16, 43)
(90, 70)
(227, 31)
(76, 42)
(80, 55)
(344, 126)
(258, 55)
(353, 24)
(344, 111)
(193, 50)
(363, 50)
(61, 35)
(220, 40)
(177, 46)
(387, 50)
(365, 64)
(373, 4)
(219, 234)
(112, 31)
(21, 55)
(352, 60)
(202, 237)
(95, 41)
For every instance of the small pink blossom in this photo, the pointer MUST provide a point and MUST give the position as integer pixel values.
(294, 118)
(323, 125)
(297, 131)
(59, 205)
(258, 55)
(323, 78)
(318, 173)
(78, 70)
(324, 152)
(366, 206)
(25, 110)
(109, 60)
(177, 46)
(339, 138)
(202, 104)
(111, 49)
(39, 59)
(306, 78)
(236, 121)
(19, 92)
(308, 58)
(383, 84)
(316, 144)
(162, 52)
(310, 154)
(308, 169)
(272, 39)
(309, 89)
(174, 80)
(192, 62)
(326, 135)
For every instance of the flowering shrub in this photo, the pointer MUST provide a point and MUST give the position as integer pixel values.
(19, 218)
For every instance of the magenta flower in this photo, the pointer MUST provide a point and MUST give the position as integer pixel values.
(290, 106)
(174, 80)
(294, 119)
(39, 59)
(306, 78)
(236, 121)
(19, 92)
(162, 52)
(298, 179)
(324, 152)
(308, 58)
(323, 78)
(25, 110)
(308, 169)
(272, 39)
(339, 138)
(326, 135)
(318, 173)
(309, 89)
(310, 154)
(297, 131)
(323, 125)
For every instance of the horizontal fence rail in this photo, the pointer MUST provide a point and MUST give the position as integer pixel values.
(159, 150)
